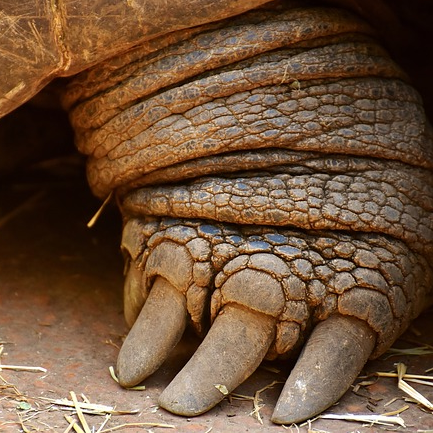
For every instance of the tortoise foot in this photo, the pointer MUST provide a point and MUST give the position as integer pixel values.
(263, 292)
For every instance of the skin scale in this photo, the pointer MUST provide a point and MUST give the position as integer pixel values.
(300, 195)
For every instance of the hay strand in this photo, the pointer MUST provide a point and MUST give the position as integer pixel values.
(138, 424)
(368, 418)
(23, 368)
(80, 413)
(98, 213)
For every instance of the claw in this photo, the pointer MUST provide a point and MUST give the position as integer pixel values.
(232, 350)
(157, 330)
(334, 355)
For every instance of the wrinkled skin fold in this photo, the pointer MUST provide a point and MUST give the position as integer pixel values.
(274, 172)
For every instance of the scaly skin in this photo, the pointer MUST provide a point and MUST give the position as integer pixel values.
(275, 176)
(313, 274)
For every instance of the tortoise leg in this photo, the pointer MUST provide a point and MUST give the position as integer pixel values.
(274, 172)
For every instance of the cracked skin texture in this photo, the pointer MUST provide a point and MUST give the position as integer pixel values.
(274, 171)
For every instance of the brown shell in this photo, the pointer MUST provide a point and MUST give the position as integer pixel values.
(44, 39)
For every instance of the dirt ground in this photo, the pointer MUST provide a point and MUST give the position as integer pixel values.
(61, 309)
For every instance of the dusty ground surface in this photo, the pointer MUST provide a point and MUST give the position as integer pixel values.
(61, 309)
